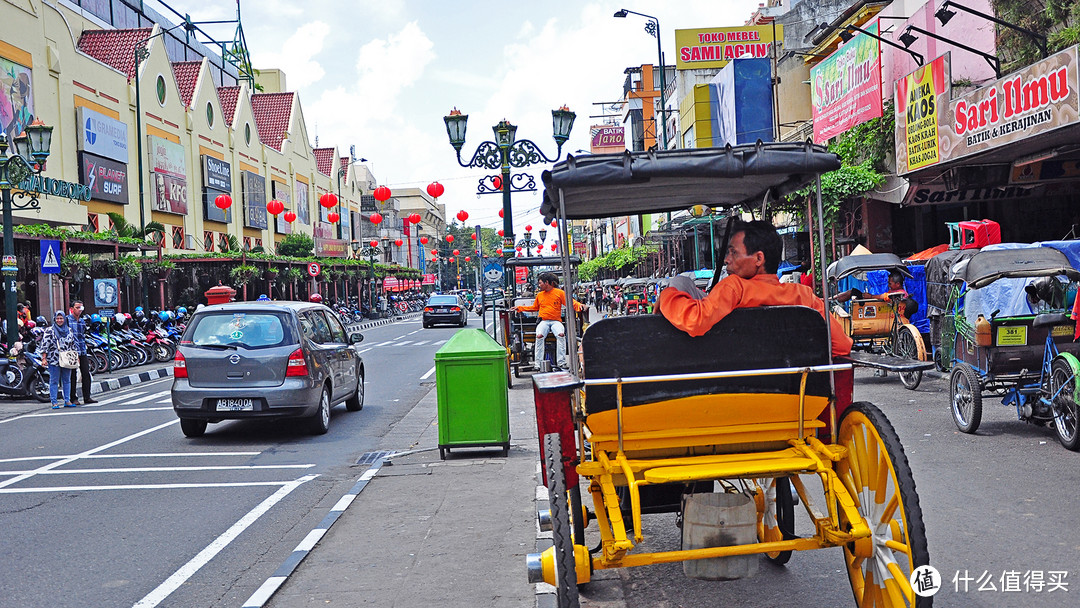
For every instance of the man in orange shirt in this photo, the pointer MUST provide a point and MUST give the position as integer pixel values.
(550, 301)
(752, 258)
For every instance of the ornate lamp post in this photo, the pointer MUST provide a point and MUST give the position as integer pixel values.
(31, 152)
(506, 152)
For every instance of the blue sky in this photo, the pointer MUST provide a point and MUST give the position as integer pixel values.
(380, 75)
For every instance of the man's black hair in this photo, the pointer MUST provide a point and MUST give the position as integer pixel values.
(549, 278)
(896, 276)
(760, 235)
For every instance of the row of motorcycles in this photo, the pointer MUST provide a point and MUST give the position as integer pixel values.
(112, 343)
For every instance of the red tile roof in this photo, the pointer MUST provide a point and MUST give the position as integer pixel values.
(272, 112)
(345, 160)
(115, 48)
(187, 77)
(324, 160)
(228, 96)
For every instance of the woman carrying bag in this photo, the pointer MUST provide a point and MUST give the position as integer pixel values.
(59, 353)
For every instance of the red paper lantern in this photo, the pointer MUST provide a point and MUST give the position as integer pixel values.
(554, 223)
(274, 207)
(398, 242)
(449, 238)
(496, 182)
(374, 243)
(456, 252)
(467, 258)
(375, 218)
(554, 246)
(434, 252)
(501, 211)
(451, 259)
(519, 249)
(423, 240)
(382, 193)
(435, 189)
(328, 200)
(473, 236)
(223, 201)
(333, 217)
(290, 216)
(528, 227)
(500, 232)
(415, 218)
(462, 215)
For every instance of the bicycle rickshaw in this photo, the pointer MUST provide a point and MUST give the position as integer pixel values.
(519, 329)
(1009, 333)
(634, 301)
(879, 327)
(756, 404)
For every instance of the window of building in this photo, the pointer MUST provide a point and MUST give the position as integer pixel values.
(258, 243)
(91, 222)
(208, 240)
(223, 242)
(247, 243)
(210, 115)
(178, 237)
(161, 89)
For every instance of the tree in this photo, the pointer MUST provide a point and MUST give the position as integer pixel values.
(124, 228)
(296, 245)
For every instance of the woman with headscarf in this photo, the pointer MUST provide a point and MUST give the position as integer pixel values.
(57, 337)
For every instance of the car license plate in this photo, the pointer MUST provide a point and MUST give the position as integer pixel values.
(235, 405)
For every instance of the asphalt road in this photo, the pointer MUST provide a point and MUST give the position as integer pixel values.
(111, 505)
(999, 508)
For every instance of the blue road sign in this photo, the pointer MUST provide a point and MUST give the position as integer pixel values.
(50, 257)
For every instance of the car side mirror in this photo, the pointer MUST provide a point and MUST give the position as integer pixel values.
(356, 338)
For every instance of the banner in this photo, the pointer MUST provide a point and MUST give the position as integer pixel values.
(102, 135)
(846, 87)
(254, 186)
(167, 157)
(107, 179)
(281, 193)
(920, 97)
(331, 248)
(170, 193)
(713, 47)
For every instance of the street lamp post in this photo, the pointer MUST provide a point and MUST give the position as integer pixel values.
(653, 28)
(31, 152)
(506, 152)
(340, 174)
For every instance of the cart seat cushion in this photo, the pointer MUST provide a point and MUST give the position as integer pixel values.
(748, 338)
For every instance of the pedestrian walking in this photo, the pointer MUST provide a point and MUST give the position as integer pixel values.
(58, 337)
(78, 327)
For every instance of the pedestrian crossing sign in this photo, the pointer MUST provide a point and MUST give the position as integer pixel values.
(50, 257)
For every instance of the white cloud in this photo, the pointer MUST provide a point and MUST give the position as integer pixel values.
(386, 67)
(297, 53)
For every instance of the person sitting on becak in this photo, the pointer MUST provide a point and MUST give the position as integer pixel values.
(752, 258)
(896, 289)
(550, 301)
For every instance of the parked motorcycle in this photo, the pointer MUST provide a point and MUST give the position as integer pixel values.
(23, 375)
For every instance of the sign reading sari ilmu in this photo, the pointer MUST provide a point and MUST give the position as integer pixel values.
(846, 87)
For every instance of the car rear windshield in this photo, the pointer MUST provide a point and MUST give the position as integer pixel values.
(442, 301)
(248, 330)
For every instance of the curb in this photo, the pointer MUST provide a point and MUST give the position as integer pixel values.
(112, 384)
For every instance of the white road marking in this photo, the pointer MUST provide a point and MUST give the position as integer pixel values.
(148, 397)
(143, 486)
(403, 343)
(364, 351)
(414, 332)
(429, 372)
(421, 343)
(186, 571)
(159, 455)
(385, 343)
(70, 459)
(251, 467)
(82, 412)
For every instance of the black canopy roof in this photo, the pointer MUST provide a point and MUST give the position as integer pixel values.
(986, 267)
(851, 264)
(631, 183)
(532, 262)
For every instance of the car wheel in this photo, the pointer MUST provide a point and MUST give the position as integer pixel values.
(320, 422)
(192, 427)
(356, 402)
(427, 325)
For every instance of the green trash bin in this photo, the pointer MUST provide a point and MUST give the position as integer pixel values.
(470, 380)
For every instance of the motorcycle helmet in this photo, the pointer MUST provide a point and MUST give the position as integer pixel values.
(181, 310)
(120, 319)
(163, 315)
(138, 309)
(40, 320)
(316, 298)
(95, 318)
(139, 313)
(179, 316)
(31, 324)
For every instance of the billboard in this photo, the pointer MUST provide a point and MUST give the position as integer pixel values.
(607, 139)
(741, 104)
(170, 193)
(920, 98)
(714, 47)
(107, 179)
(102, 135)
(846, 87)
(254, 186)
(166, 157)
(281, 193)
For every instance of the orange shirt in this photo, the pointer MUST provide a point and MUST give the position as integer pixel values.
(696, 317)
(550, 304)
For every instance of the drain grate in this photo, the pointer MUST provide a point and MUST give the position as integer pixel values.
(371, 457)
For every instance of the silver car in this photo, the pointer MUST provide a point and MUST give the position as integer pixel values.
(260, 360)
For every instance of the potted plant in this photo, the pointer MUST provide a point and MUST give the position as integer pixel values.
(243, 274)
(163, 268)
(292, 275)
(271, 273)
(74, 265)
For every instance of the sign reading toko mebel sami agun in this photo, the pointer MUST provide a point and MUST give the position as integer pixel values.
(1037, 99)
(714, 47)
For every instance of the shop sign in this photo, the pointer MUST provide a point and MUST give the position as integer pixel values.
(607, 137)
(330, 248)
(714, 47)
(323, 230)
(102, 135)
(166, 157)
(217, 174)
(254, 186)
(938, 194)
(303, 213)
(211, 211)
(170, 194)
(1045, 171)
(106, 179)
(846, 87)
(368, 204)
(55, 187)
(932, 129)
(281, 193)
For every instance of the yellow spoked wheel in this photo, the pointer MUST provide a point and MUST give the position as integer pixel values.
(878, 477)
(775, 514)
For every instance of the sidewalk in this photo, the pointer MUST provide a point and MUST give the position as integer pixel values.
(427, 532)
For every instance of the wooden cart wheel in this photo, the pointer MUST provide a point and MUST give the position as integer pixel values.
(1062, 384)
(909, 344)
(775, 515)
(877, 474)
(965, 395)
(561, 533)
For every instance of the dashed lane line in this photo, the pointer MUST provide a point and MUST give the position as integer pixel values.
(146, 455)
(80, 412)
(428, 374)
(252, 467)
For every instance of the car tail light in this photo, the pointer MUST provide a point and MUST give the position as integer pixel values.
(455, 309)
(429, 309)
(179, 366)
(297, 364)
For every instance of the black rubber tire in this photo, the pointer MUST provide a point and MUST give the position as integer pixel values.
(864, 426)
(39, 387)
(192, 427)
(965, 398)
(13, 375)
(517, 371)
(1066, 412)
(162, 352)
(906, 347)
(566, 591)
(320, 422)
(355, 403)
(784, 506)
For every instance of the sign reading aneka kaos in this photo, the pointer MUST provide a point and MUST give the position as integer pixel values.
(714, 47)
(931, 128)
